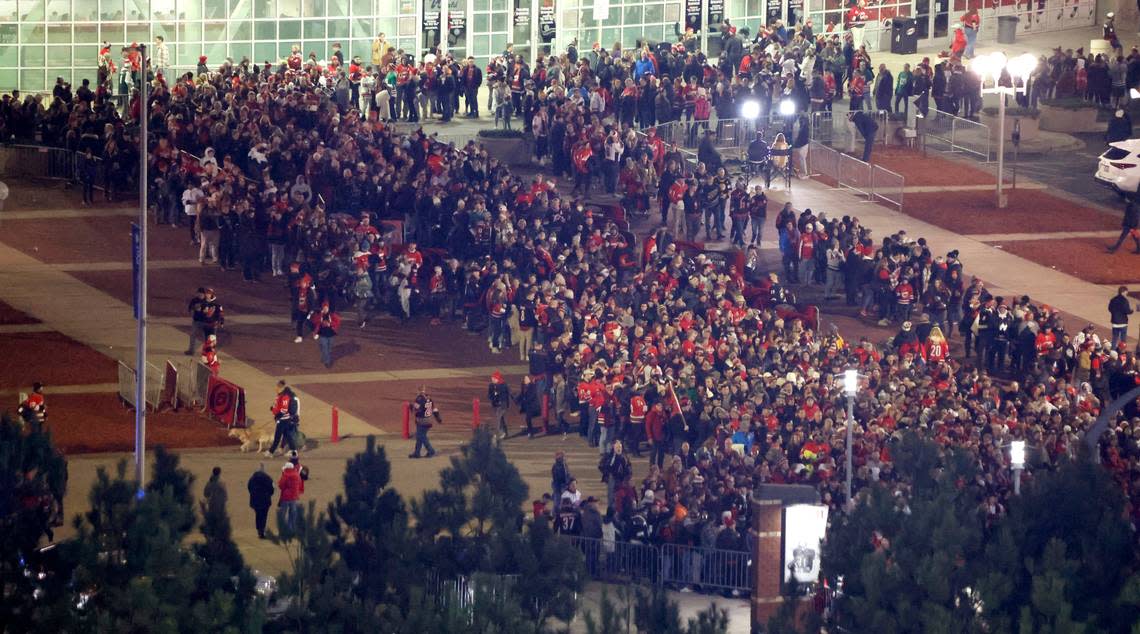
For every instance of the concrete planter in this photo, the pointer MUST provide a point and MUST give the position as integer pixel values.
(1029, 126)
(511, 151)
(1054, 119)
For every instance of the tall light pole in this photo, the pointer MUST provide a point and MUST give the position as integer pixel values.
(991, 67)
(140, 299)
(850, 388)
(1017, 463)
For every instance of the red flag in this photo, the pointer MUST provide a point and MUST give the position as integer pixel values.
(675, 403)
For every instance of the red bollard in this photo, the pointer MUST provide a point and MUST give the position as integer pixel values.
(474, 414)
(335, 425)
(407, 420)
(546, 413)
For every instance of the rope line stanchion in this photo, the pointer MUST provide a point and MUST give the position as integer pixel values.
(474, 414)
(335, 437)
(407, 420)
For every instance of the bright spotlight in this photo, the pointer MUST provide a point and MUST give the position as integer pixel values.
(750, 109)
(851, 381)
(1017, 454)
(787, 107)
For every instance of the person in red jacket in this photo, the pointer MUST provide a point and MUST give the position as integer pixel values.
(209, 355)
(655, 421)
(637, 412)
(289, 504)
(325, 325)
(935, 350)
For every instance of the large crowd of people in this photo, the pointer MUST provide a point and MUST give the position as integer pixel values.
(704, 360)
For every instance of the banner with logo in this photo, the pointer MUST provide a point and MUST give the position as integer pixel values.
(225, 401)
(804, 528)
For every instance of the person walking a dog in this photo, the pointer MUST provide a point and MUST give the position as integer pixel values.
(287, 416)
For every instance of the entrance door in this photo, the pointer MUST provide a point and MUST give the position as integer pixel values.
(522, 21)
(922, 18)
(941, 19)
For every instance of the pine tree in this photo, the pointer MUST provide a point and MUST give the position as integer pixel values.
(33, 480)
(369, 526)
(1061, 560)
(222, 575)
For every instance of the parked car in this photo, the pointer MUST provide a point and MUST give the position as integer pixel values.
(1119, 167)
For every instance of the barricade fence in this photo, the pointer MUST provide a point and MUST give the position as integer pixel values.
(155, 384)
(875, 182)
(946, 132)
(839, 132)
(193, 384)
(887, 186)
(667, 564)
(855, 175)
(39, 161)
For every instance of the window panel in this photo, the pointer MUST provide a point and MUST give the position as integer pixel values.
(58, 11)
(9, 79)
(289, 8)
(84, 55)
(138, 33)
(313, 8)
(498, 43)
(59, 34)
(86, 32)
(631, 15)
(59, 56)
(265, 52)
(214, 31)
(32, 10)
(215, 53)
(111, 9)
(320, 47)
(9, 56)
(111, 33)
(189, 9)
(55, 74)
(481, 5)
(168, 31)
(482, 45)
(187, 54)
(361, 49)
(241, 31)
(263, 30)
(314, 29)
(264, 9)
(8, 11)
(498, 5)
(240, 9)
(482, 23)
(31, 34)
(160, 9)
(499, 21)
(362, 7)
(284, 48)
(215, 10)
(362, 28)
(32, 80)
(289, 30)
(240, 50)
(654, 13)
(386, 25)
(191, 32)
(609, 36)
(338, 29)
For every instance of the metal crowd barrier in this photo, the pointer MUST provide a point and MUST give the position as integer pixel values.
(887, 186)
(193, 384)
(673, 564)
(872, 181)
(155, 382)
(855, 175)
(707, 568)
(38, 161)
(953, 134)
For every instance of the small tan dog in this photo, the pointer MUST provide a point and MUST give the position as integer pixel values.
(249, 436)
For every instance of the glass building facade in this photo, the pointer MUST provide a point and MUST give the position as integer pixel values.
(44, 39)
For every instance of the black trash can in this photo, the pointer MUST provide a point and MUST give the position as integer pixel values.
(904, 36)
(1007, 29)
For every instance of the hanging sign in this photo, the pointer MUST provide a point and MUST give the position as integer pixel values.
(716, 14)
(546, 24)
(693, 14)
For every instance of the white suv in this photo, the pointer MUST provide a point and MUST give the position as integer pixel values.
(1119, 166)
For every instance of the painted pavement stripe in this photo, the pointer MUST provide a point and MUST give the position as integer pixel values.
(404, 375)
(88, 388)
(1056, 235)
